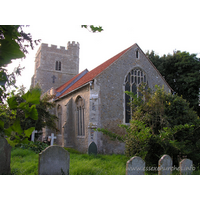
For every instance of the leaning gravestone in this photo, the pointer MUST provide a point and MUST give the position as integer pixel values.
(54, 160)
(135, 166)
(92, 149)
(5, 153)
(186, 167)
(165, 165)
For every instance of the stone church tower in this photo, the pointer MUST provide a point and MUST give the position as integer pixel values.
(55, 66)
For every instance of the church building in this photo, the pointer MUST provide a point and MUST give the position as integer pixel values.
(92, 99)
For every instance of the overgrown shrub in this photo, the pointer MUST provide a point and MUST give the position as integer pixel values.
(161, 124)
(37, 146)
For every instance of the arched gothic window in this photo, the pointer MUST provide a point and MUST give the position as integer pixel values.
(58, 65)
(133, 80)
(59, 114)
(80, 116)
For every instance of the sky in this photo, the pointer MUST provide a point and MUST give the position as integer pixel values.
(162, 26)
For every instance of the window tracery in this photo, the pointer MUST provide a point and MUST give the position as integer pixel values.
(132, 82)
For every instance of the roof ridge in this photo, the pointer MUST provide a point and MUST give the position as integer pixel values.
(94, 72)
(72, 81)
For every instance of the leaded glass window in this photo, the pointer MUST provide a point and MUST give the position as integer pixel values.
(133, 80)
(80, 116)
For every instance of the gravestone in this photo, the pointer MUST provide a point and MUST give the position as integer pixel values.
(33, 135)
(54, 160)
(92, 149)
(165, 165)
(135, 166)
(186, 167)
(52, 137)
(5, 153)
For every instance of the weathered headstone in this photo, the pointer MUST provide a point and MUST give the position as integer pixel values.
(165, 165)
(92, 149)
(135, 166)
(5, 153)
(33, 135)
(52, 137)
(186, 167)
(54, 160)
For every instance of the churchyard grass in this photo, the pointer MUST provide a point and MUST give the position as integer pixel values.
(25, 162)
(83, 164)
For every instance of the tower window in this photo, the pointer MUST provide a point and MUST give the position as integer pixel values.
(58, 65)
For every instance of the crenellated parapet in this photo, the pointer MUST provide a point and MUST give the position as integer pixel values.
(72, 44)
(59, 49)
(54, 65)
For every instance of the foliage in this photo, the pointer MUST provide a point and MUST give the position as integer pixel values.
(15, 133)
(174, 126)
(6, 116)
(10, 47)
(24, 112)
(27, 112)
(113, 136)
(137, 139)
(45, 118)
(181, 71)
(37, 146)
(161, 124)
(92, 28)
(14, 44)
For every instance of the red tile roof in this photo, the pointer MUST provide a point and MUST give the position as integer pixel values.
(90, 75)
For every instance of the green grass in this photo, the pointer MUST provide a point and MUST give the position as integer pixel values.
(97, 165)
(25, 162)
(84, 164)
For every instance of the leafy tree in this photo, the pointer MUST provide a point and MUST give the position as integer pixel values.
(15, 133)
(93, 28)
(45, 118)
(14, 44)
(181, 70)
(172, 122)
